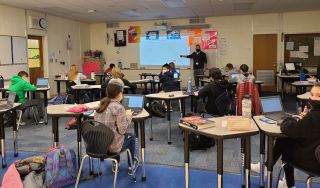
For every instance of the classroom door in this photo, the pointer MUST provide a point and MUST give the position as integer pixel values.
(35, 58)
(265, 60)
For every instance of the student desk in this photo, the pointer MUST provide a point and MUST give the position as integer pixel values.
(301, 86)
(2, 132)
(78, 88)
(145, 75)
(177, 95)
(60, 110)
(157, 82)
(303, 98)
(217, 131)
(101, 77)
(88, 81)
(202, 77)
(138, 119)
(272, 131)
(59, 80)
(142, 81)
(43, 90)
(256, 82)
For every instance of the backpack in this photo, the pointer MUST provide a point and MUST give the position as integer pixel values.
(223, 103)
(60, 99)
(155, 108)
(60, 169)
(199, 142)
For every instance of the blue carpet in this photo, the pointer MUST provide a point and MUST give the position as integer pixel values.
(157, 176)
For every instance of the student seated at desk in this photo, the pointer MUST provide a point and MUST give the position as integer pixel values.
(108, 71)
(113, 115)
(167, 79)
(75, 75)
(300, 148)
(118, 76)
(230, 69)
(19, 84)
(214, 89)
(245, 75)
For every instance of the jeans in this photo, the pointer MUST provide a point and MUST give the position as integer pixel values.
(195, 73)
(129, 143)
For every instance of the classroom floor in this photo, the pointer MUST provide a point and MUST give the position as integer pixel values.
(159, 155)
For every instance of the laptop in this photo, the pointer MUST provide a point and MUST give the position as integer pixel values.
(10, 102)
(176, 76)
(272, 108)
(233, 77)
(134, 103)
(42, 83)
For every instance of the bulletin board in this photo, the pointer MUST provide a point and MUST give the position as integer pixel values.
(302, 48)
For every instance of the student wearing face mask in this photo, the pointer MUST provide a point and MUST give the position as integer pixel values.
(167, 79)
(300, 148)
(199, 63)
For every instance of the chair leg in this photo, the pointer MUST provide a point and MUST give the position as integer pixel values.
(34, 109)
(79, 172)
(151, 130)
(19, 118)
(100, 170)
(279, 175)
(115, 172)
(309, 181)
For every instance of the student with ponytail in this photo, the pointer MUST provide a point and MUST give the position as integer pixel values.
(245, 75)
(112, 114)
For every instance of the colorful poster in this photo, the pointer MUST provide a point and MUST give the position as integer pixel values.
(209, 40)
(134, 33)
(195, 37)
(152, 35)
(175, 34)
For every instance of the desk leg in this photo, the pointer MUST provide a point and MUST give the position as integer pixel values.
(196, 105)
(58, 87)
(169, 121)
(183, 108)
(243, 171)
(45, 95)
(186, 157)
(143, 146)
(220, 162)
(282, 87)
(262, 160)
(55, 131)
(15, 136)
(151, 131)
(191, 100)
(79, 141)
(248, 160)
(259, 89)
(136, 133)
(145, 87)
(270, 160)
(3, 143)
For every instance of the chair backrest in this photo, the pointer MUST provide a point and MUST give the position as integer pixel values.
(69, 84)
(97, 137)
(248, 88)
(223, 103)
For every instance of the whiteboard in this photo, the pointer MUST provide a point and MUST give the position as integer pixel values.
(5, 50)
(19, 50)
(7, 71)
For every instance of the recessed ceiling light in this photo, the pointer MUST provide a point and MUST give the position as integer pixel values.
(92, 11)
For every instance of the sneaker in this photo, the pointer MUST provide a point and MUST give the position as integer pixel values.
(114, 166)
(256, 168)
(132, 170)
(283, 183)
(22, 123)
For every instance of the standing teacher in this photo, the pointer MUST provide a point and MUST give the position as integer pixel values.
(199, 63)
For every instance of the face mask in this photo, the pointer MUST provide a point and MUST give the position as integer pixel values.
(315, 104)
(198, 50)
(163, 71)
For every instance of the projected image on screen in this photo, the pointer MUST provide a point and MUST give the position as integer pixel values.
(159, 52)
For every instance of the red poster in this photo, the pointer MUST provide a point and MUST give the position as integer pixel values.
(209, 40)
(134, 33)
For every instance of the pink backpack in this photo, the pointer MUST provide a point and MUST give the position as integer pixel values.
(12, 178)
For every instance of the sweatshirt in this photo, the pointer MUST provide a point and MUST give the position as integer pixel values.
(20, 87)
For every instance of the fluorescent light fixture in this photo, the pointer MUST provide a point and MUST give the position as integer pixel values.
(92, 11)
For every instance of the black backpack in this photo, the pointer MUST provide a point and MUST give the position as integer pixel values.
(199, 142)
(155, 108)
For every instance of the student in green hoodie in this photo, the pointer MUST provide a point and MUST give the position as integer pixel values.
(20, 85)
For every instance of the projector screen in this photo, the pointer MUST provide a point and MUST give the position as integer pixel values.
(159, 52)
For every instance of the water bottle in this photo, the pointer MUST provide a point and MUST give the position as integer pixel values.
(302, 75)
(246, 106)
(92, 75)
(1, 82)
(189, 86)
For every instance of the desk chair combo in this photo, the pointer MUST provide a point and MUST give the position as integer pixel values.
(98, 138)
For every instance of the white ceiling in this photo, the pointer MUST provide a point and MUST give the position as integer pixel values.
(126, 10)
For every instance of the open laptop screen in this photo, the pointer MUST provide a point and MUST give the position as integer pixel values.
(176, 75)
(271, 104)
(11, 98)
(42, 82)
(133, 101)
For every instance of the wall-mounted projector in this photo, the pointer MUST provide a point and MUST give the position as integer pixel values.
(162, 26)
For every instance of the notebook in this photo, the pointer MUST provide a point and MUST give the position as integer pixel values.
(134, 103)
(272, 108)
(42, 82)
(10, 102)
